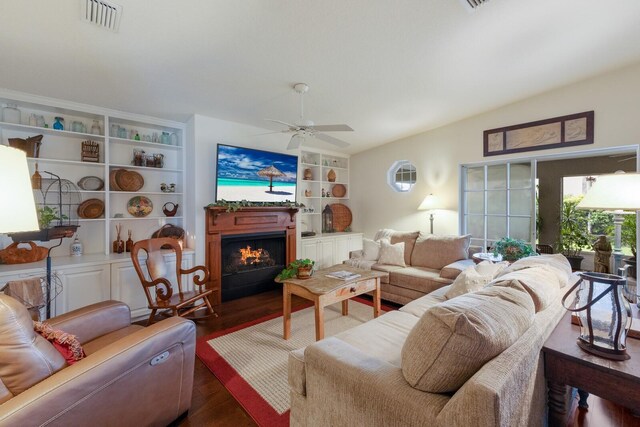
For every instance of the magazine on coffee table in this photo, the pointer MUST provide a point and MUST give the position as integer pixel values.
(343, 275)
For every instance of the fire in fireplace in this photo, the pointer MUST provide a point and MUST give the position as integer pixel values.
(248, 259)
(250, 262)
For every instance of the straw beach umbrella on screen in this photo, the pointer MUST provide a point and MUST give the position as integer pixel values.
(271, 171)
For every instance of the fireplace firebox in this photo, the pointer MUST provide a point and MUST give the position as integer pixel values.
(250, 262)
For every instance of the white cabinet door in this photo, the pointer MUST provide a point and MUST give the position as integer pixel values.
(326, 248)
(341, 249)
(126, 287)
(355, 242)
(309, 249)
(82, 286)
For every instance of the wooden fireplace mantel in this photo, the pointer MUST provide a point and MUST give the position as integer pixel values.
(248, 220)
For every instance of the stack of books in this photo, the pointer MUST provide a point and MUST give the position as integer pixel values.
(343, 275)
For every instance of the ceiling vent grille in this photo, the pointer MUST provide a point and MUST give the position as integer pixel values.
(102, 13)
(473, 4)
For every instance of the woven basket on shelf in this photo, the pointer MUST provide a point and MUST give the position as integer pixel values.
(341, 216)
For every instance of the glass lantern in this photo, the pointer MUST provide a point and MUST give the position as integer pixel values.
(327, 219)
(605, 315)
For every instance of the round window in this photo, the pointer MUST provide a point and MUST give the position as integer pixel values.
(402, 176)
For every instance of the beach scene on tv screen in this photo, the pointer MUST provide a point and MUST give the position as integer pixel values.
(256, 176)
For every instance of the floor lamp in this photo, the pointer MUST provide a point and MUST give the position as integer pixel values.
(430, 203)
(617, 193)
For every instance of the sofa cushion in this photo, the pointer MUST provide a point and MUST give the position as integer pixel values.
(103, 341)
(454, 339)
(420, 279)
(451, 271)
(475, 278)
(391, 254)
(558, 262)
(409, 240)
(438, 251)
(385, 269)
(370, 250)
(420, 305)
(25, 357)
(541, 282)
(382, 337)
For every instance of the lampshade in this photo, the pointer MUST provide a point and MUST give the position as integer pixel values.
(17, 207)
(618, 191)
(429, 202)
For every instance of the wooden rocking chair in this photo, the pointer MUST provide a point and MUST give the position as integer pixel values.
(170, 303)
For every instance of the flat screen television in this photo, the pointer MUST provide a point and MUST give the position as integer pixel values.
(255, 175)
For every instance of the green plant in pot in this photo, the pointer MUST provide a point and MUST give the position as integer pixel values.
(512, 249)
(47, 214)
(573, 232)
(300, 268)
(629, 239)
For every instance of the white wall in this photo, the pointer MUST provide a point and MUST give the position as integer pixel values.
(437, 154)
(203, 135)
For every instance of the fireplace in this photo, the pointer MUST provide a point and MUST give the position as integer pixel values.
(250, 262)
(247, 223)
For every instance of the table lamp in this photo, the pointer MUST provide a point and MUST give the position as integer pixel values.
(430, 203)
(18, 208)
(617, 193)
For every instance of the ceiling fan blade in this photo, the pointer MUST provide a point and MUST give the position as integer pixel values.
(289, 125)
(332, 128)
(295, 142)
(271, 133)
(331, 140)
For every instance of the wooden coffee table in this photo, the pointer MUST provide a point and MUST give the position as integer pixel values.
(324, 291)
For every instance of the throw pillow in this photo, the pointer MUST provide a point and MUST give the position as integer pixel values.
(474, 278)
(370, 250)
(409, 240)
(455, 338)
(439, 251)
(391, 254)
(66, 344)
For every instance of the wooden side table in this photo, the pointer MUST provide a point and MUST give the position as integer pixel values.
(566, 364)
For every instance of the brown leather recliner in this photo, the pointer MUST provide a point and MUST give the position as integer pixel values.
(132, 376)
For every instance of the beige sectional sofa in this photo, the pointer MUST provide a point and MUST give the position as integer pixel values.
(430, 262)
(431, 362)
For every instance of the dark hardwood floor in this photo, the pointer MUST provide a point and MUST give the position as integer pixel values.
(212, 405)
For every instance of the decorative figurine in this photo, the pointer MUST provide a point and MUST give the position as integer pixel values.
(602, 256)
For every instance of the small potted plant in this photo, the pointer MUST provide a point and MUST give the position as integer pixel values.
(573, 233)
(300, 268)
(512, 249)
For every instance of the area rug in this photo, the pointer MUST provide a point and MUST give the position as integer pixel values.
(250, 360)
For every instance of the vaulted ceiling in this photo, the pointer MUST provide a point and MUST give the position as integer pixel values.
(389, 69)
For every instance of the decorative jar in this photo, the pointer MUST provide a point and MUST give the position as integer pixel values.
(605, 315)
(59, 123)
(11, 114)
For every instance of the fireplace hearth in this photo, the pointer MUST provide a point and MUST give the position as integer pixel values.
(250, 262)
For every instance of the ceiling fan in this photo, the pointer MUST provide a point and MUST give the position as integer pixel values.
(306, 128)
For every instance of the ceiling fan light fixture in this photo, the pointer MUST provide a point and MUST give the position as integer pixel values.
(472, 5)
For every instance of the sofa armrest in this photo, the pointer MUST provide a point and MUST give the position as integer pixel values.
(344, 386)
(145, 378)
(356, 254)
(451, 271)
(93, 321)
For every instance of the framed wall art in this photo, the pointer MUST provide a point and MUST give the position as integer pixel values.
(565, 131)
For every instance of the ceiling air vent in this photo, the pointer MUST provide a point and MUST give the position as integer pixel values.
(473, 4)
(102, 13)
